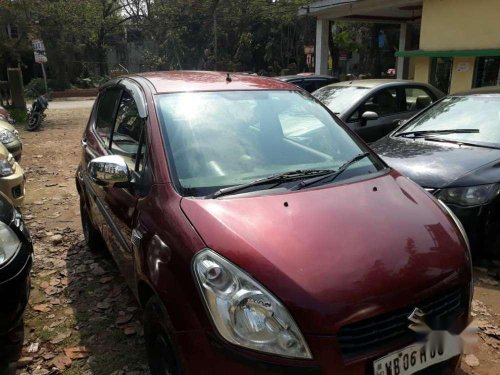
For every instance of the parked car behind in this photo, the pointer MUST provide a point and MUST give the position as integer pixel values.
(5, 115)
(374, 107)
(453, 150)
(309, 82)
(9, 137)
(252, 252)
(16, 256)
(11, 177)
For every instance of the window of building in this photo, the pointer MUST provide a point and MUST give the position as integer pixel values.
(487, 72)
(440, 77)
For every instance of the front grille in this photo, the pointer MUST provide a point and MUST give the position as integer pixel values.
(17, 192)
(383, 330)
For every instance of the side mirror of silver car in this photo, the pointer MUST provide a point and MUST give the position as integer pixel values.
(110, 170)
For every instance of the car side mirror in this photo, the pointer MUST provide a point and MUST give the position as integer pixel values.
(368, 116)
(110, 170)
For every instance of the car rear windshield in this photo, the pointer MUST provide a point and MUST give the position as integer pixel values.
(340, 98)
(221, 139)
(479, 112)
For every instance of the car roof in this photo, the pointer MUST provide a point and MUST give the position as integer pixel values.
(371, 83)
(182, 81)
(489, 90)
(303, 76)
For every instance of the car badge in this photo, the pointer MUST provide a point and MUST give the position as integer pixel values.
(417, 321)
(417, 316)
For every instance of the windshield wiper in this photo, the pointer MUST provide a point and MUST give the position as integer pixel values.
(465, 143)
(423, 133)
(277, 179)
(332, 175)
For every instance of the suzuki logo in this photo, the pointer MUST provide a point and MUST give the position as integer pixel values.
(417, 316)
(417, 321)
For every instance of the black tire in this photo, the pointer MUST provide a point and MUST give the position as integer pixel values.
(159, 344)
(12, 344)
(34, 121)
(92, 236)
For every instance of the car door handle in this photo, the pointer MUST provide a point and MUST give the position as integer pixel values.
(83, 143)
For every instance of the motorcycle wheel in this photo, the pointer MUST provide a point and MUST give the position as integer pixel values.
(34, 121)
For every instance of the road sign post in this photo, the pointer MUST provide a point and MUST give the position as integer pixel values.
(41, 58)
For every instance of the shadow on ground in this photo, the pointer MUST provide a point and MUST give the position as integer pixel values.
(105, 313)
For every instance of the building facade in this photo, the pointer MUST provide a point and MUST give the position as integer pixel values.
(459, 44)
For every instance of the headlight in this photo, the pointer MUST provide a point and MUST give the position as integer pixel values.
(243, 311)
(6, 166)
(471, 195)
(6, 136)
(9, 243)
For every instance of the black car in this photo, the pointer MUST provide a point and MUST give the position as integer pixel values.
(452, 149)
(16, 257)
(374, 107)
(309, 82)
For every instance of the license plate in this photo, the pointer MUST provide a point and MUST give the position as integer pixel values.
(418, 356)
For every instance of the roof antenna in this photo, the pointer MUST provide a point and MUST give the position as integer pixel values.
(228, 78)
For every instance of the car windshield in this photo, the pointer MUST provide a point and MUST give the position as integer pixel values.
(468, 119)
(221, 139)
(340, 98)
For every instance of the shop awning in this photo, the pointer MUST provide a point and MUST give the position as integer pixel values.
(458, 53)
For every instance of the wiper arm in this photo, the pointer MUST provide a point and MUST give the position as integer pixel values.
(278, 178)
(423, 133)
(465, 143)
(332, 175)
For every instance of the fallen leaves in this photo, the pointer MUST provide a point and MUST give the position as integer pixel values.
(471, 360)
(77, 352)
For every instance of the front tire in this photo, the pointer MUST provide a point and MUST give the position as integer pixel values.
(34, 121)
(159, 345)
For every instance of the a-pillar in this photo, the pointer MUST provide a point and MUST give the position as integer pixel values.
(321, 51)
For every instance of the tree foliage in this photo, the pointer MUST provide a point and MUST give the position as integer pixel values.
(243, 35)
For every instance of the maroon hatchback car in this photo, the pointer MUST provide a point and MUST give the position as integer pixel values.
(260, 235)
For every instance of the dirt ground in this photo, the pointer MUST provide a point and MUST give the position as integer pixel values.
(81, 318)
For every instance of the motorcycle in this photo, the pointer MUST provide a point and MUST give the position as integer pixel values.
(36, 113)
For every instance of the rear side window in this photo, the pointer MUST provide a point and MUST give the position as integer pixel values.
(128, 133)
(417, 98)
(106, 113)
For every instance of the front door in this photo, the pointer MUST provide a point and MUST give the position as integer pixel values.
(127, 141)
(386, 103)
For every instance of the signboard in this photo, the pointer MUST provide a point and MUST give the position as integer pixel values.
(463, 67)
(342, 55)
(39, 51)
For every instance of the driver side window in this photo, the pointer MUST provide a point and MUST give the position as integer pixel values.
(128, 134)
(384, 103)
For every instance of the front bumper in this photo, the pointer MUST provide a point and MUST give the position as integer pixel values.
(203, 353)
(482, 224)
(15, 288)
(13, 186)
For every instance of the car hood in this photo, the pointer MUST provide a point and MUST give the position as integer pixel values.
(337, 254)
(438, 165)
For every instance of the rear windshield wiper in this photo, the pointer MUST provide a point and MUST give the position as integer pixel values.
(332, 175)
(423, 133)
(277, 179)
